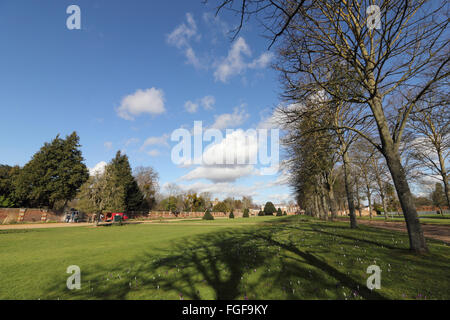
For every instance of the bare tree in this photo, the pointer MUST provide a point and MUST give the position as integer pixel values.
(147, 180)
(430, 147)
(363, 154)
(380, 174)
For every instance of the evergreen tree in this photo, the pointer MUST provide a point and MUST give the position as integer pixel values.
(231, 216)
(269, 209)
(208, 215)
(121, 175)
(279, 213)
(438, 196)
(7, 175)
(54, 173)
(246, 213)
(260, 213)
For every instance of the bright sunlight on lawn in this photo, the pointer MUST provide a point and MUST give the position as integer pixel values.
(279, 258)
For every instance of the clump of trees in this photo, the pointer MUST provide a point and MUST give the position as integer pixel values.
(116, 189)
(50, 179)
(175, 199)
(220, 207)
(147, 181)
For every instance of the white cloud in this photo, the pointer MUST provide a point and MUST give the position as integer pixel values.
(261, 62)
(149, 101)
(192, 58)
(190, 106)
(224, 189)
(207, 102)
(152, 141)
(99, 168)
(238, 147)
(235, 64)
(154, 153)
(214, 22)
(131, 141)
(230, 120)
(181, 38)
(279, 198)
(181, 35)
(219, 173)
(108, 144)
(277, 118)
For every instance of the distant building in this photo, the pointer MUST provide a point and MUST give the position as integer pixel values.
(285, 207)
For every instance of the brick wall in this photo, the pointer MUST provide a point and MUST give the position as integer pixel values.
(8, 215)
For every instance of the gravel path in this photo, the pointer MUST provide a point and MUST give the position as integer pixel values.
(438, 232)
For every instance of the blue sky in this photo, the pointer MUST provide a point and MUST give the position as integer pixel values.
(135, 72)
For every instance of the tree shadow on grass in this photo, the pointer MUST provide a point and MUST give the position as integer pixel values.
(320, 264)
(230, 264)
(371, 232)
(370, 242)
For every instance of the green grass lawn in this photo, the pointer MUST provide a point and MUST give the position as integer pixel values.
(256, 258)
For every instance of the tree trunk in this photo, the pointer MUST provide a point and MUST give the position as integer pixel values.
(332, 202)
(369, 200)
(325, 207)
(358, 198)
(383, 201)
(316, 207)
(349, 191)
(390, 151)
(444, 179)
(417, 240)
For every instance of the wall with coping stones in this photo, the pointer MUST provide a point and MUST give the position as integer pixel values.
(8, 215)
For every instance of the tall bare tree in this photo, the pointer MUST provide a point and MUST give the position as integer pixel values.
(430, 128)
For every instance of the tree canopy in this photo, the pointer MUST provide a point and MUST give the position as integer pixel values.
(54, 173)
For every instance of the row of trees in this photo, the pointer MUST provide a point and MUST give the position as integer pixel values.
(51, 178)
(178, 200)
(350, 76)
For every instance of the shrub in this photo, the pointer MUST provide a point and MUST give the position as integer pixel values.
(284, 213)
(260, 213)
(231, 215)
(245, 214)
(279, 213)
(269, 209)
(208, 215)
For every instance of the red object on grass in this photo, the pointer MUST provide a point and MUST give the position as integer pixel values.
(110, 216)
